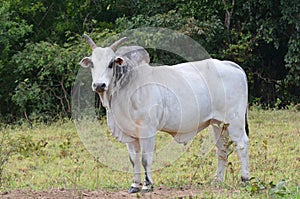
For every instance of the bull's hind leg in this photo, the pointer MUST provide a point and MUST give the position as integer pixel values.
(134, 156)
(220, 141)
(238, 135)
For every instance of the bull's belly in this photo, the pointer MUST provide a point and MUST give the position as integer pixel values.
(183, 134)
(185, 124)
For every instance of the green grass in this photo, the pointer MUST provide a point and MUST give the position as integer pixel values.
(53, 156)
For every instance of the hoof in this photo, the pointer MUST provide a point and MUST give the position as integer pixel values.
(217, 181)
(134, 190)
(147, 188)
(245, 179)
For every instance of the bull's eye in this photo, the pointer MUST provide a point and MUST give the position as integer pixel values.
(111, 64)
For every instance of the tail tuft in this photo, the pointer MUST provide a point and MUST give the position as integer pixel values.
(246, 123)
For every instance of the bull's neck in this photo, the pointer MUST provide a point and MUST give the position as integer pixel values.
(121, 81)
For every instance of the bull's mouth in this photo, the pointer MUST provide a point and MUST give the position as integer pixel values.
(100, 90)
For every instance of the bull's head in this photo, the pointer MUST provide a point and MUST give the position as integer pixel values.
(102, 63)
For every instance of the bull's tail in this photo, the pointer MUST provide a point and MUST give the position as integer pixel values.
(246, 123)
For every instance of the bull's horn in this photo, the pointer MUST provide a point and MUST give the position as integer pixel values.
(90, 41)
(115, 45)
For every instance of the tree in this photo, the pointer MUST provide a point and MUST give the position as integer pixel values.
(262, 36)
(13, 30)
(41, 44)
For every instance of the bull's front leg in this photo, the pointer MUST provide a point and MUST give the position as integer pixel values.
(147, 145)
(134, 156)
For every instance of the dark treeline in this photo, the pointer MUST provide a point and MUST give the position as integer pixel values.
(41, 45)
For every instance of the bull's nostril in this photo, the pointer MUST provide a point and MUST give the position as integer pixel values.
(99, 87)
(103, 85)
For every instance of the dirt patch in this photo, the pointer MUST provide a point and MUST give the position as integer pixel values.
(158, 193)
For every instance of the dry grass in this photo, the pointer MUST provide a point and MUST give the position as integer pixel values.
(53, 156)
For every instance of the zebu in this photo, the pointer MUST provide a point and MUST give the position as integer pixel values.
(181, 100)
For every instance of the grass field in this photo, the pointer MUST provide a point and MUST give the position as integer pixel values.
(45, 157)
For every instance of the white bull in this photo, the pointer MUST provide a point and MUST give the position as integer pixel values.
(181, 100)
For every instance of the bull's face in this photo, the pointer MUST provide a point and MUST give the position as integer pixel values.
(102, 63)
(99, 63)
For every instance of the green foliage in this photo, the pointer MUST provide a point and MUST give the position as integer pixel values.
(255, 186)
(44, 78)
(6, 150)
(257, 40)
(273, 61)
(292, 60)
(41, 45)
(65, 146)
(279, 189)
(26, 147)
(12, 29)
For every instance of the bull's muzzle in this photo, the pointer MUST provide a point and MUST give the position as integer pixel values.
(99, 87)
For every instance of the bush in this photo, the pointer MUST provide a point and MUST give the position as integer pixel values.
(6, 150)
(45, 74)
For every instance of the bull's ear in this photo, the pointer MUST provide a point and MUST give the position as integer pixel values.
(119, 61)
(86, 62)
